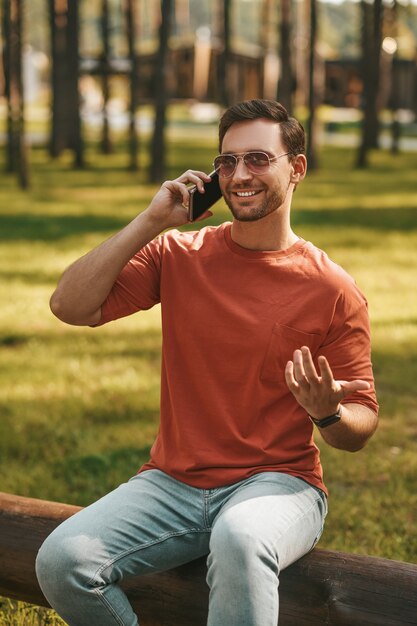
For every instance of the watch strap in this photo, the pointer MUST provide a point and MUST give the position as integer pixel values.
(329, 420)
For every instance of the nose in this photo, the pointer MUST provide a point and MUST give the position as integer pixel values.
(241, 172)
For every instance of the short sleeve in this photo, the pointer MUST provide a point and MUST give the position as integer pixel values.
(137, 287)
(347, 347)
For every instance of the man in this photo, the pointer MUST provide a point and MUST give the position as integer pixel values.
(262, 336)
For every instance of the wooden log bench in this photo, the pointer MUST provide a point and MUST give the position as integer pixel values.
(324, 587)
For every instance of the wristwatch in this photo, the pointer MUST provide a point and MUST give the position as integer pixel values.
(329, 420)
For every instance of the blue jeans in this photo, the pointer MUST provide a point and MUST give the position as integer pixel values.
(250, 530)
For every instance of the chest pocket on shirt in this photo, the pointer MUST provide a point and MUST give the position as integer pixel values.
(284, 340)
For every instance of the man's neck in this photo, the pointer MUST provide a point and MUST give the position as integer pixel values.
(266, 234)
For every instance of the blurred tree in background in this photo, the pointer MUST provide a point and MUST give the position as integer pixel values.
(97, 64)
(160, 91)
(372, 17)
(65, 123)
(16, 154)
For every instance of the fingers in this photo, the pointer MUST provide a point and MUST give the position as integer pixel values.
(289, 377)
(180, 186)
(309, 368)
(326, 375)
(317, 391)
(325, 370)
(305, 372)
(194, 177)
(178, 191)
(301, 373)
(346, 387)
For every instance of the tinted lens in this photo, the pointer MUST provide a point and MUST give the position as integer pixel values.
(257, 162)
(225, 164)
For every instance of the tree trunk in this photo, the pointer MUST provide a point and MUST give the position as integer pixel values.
(371, 53)
(57, 34)
(286, 79)
(131, 22)
(2, 50)
(75, 139)
(224, 60)
(157, 171)
(6, 64)
(395, 88)
(16, 147)
(66, 122)
(106, 144)
(312, 97)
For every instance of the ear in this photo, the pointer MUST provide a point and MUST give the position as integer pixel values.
(299, 168)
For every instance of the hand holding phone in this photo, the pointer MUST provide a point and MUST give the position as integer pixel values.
(200, 202)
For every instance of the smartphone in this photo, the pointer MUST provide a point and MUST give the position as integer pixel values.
(201, 202)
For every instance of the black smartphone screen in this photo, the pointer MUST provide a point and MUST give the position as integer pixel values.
(201, 202)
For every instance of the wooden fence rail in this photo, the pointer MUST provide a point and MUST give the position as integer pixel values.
(322, 588)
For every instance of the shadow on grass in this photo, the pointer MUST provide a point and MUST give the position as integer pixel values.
(89, 477)
(13, 340)
(375, 219)
(395, 374)
(53, 228)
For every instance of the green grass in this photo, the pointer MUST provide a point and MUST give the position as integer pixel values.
(79, 407)
(24, 614)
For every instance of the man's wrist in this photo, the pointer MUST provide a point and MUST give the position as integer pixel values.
(324, 422)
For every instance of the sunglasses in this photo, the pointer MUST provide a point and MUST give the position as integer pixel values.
(256, 162)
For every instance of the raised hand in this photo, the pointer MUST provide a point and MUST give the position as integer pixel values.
(169, 207)
(317, 392)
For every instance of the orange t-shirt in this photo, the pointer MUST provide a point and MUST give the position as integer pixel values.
(231, 319)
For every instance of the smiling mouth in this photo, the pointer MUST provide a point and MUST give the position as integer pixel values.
(246, 194)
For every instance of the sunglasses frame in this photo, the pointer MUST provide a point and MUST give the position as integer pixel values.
(242, 155)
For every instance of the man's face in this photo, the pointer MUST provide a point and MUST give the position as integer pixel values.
(249, 196)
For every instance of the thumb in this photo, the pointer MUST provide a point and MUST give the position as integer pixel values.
(204, 216)
(353, 385)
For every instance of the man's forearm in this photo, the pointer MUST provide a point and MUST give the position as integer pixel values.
(85, 285)
(351, 433)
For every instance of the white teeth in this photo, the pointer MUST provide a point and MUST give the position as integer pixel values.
(245, 194)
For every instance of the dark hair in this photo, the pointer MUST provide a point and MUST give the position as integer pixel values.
(292, 132)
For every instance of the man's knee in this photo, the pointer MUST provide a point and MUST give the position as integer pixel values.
(239, 543)
(64, 561)
(241, 564)
(54, 561)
